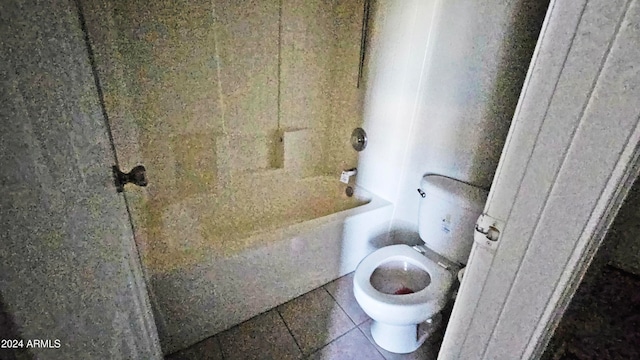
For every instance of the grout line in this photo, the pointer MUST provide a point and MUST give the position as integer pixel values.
(239, 324)
(216, 49)
(375, 346)
(279, 79)
(336, 300)
(199, 344)
(322, 347)
(219, 346)
(331, 342)
(340, 306)
(289, 330)
(276, 308)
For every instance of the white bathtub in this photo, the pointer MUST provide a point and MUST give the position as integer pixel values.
(222, 289)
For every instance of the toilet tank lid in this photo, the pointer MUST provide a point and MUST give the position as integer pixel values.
(466, 195)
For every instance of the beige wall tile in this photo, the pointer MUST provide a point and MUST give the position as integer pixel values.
(195, 162)
(248, 51)
(302, 152)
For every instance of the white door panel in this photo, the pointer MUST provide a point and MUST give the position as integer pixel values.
(69, 272)
(575, 119)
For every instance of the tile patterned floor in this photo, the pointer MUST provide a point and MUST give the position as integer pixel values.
(323, 324)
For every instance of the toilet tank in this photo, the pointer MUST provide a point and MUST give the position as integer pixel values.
(447, 216)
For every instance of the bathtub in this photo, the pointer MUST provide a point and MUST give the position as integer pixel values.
(203, 287)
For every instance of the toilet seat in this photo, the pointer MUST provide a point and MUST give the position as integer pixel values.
(416, 307)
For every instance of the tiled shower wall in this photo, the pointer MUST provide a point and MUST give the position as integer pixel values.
(225, 81)
(216, 96)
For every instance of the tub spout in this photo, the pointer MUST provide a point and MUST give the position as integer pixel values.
(351, 172)
(347, 174)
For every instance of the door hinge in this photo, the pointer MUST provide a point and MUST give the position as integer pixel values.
(487, 232)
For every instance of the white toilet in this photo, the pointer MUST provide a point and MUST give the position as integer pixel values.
(403, 288)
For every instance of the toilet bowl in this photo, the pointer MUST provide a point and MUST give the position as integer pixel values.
(404, 288)
(400, 288)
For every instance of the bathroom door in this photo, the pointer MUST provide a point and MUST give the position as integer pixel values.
(70, 277)
(571, 157)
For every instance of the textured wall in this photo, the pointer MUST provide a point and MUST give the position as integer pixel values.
(480, 56)
(68, 268)
(444, 80)
(398, 42)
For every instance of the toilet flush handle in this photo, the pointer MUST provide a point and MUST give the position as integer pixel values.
(422, 193)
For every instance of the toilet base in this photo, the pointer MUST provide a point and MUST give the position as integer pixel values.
(400, 339)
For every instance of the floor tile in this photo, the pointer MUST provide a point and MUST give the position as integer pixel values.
(262, 337)
(342, 290)
(208, 349)
(351, 346)
(426, 352)
(315, 319)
